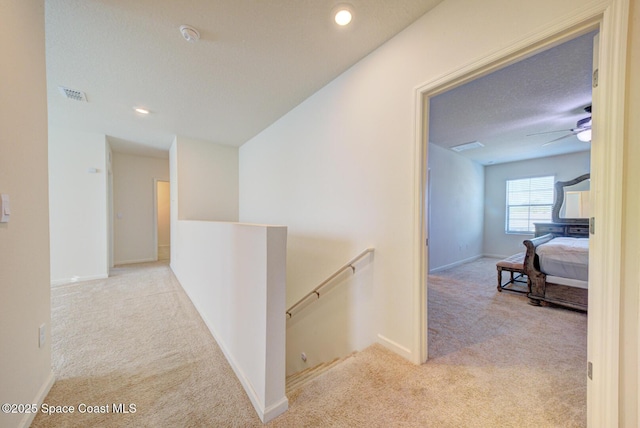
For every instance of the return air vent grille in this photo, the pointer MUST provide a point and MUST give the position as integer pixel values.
(73, 94)
(467, 146)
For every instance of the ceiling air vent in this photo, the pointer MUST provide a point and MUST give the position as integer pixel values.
(467, 146)
(73, 94)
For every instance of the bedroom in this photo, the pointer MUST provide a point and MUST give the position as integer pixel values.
(469, 230)
(467, 188)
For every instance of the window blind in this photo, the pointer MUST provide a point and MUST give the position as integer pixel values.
(529, 201)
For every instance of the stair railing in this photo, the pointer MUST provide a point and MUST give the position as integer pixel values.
(316, 291)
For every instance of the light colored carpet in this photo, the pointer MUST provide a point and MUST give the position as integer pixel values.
(496, 362)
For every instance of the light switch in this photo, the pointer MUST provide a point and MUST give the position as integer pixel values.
(5, 208)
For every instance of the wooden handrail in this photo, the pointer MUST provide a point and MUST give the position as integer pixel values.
(316, 290)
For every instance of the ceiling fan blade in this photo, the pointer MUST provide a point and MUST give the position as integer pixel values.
(558, 139)
(549, 132)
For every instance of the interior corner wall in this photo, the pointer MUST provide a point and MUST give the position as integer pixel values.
(78, 211)
(339, 169)
(133, 199)
(25, 303)
(456, 207)
(497, 242)
(208, 180)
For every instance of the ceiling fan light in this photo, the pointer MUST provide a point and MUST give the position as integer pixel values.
(584, 135)
(584, 123)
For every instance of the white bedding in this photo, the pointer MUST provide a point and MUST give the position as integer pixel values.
(565, 258)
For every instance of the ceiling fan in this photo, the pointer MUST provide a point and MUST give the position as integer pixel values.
(582, 130)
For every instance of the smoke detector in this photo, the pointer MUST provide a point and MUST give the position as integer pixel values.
(73, 94)
(189, 33)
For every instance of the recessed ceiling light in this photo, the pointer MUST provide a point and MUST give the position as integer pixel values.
(343, 15)
(141, 110)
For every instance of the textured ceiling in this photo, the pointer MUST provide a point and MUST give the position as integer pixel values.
(545, 92)
(255, 61)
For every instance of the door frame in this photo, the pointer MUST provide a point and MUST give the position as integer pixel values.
(603, 347)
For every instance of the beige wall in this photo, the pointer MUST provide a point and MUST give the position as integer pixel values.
(25, 368)
(133, 205)
(630, 297)
(208, 181)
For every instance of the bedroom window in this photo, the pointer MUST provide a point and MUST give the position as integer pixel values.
(529, 200)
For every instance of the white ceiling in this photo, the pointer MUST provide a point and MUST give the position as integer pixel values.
(255, 61)
(546, 92)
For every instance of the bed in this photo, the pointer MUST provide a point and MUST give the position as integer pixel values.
(558, 270)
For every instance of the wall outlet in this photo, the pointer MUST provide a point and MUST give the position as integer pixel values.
(43, 335)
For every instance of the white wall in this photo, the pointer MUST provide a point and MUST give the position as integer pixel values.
(208, 180)
(133, 195)
(339, 168)
(331, 327)
(496, 241)
(78, 205)
(25, 298)
(457, 208)
(233, 273)
(468, 203)
(235, 276)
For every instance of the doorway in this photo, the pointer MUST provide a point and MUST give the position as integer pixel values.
(519, 120)
(468, 221)
(162, 220)
(464, 181)
(608, 118)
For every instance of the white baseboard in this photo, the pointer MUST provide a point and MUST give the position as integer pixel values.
(497, 256)
(395, 347)
(275, 410)
(28, 418)
(458, 263)
(77, 279)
